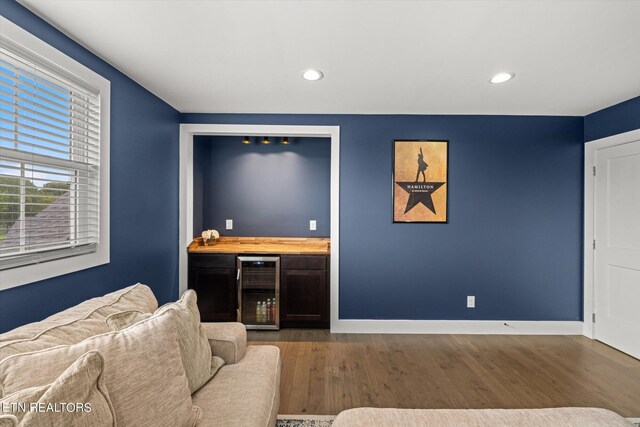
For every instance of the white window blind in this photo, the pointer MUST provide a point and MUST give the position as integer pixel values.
(49, 160)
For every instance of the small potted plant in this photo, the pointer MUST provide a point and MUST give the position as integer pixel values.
(209, 237)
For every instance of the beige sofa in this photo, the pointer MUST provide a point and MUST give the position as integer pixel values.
(556, 417)
(243, 392)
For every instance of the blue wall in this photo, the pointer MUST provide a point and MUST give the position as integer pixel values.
(515, 218)
(268, 190)
(144, 194)
(613, 120)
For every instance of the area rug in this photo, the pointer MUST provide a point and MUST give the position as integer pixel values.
(327, 420)
(305, 420)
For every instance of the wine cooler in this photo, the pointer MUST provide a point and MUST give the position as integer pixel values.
(259, 291)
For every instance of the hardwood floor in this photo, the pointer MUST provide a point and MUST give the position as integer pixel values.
(325, 374)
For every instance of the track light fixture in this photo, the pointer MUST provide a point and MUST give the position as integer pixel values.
(266, 141)
(246, 140)
(285, 140)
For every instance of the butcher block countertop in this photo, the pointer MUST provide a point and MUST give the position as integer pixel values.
(263, 245)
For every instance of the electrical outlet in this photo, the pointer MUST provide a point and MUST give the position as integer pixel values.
(229, 224)
(471, 301)
(312, 225)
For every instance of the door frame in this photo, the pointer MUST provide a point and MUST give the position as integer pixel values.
(590, 149)
(188, 131)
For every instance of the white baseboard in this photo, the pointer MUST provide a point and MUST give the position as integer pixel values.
(488, 327)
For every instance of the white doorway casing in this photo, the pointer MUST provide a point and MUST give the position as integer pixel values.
(590, 157)
(188, 131)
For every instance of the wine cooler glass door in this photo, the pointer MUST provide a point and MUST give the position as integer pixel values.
(259, 292)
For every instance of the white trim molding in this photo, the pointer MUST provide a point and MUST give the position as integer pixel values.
(590, 149)
(35, 272)
(481, 327)
(188, 131)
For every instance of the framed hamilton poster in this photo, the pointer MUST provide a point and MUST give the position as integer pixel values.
(420, 175)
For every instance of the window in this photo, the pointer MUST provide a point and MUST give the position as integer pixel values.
(53, 145)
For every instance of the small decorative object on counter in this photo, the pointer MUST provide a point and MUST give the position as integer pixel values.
(209, 237)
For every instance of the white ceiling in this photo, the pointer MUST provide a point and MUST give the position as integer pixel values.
(397, 57)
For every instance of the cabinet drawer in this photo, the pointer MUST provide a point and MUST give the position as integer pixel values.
(212, 261)
(303, 262)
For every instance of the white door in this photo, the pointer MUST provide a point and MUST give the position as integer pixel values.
(617, 254)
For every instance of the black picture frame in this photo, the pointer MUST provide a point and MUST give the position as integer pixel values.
(412, 200)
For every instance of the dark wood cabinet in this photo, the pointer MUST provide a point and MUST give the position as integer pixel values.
(213, 277)
(304, 291)
(304, 288)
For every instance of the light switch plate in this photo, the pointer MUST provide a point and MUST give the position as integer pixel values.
(471, 301)
(312, 225)
(229, 224)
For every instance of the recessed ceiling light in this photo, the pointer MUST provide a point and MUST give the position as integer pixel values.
(312, 75)
(502, 77)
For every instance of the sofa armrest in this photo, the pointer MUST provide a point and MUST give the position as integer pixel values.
(227, 340)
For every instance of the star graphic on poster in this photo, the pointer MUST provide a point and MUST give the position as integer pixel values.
(420, 192)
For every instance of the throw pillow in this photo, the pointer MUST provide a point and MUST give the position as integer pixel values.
(194, 345)
(143, 372)
(124, 319)
(76, 398)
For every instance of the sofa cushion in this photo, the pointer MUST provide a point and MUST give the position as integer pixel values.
(566, 417)
(143, 372)
(227, 340)
(77, 323)
(246, 393)
(194, 347)
(81, 385)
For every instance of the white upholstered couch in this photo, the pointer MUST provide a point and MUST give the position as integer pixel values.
(245, 391)
(548, 417)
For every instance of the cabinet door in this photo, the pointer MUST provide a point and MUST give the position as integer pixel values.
(217, 295)
(304, 296)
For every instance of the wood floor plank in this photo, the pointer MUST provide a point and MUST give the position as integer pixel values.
(325, 373)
